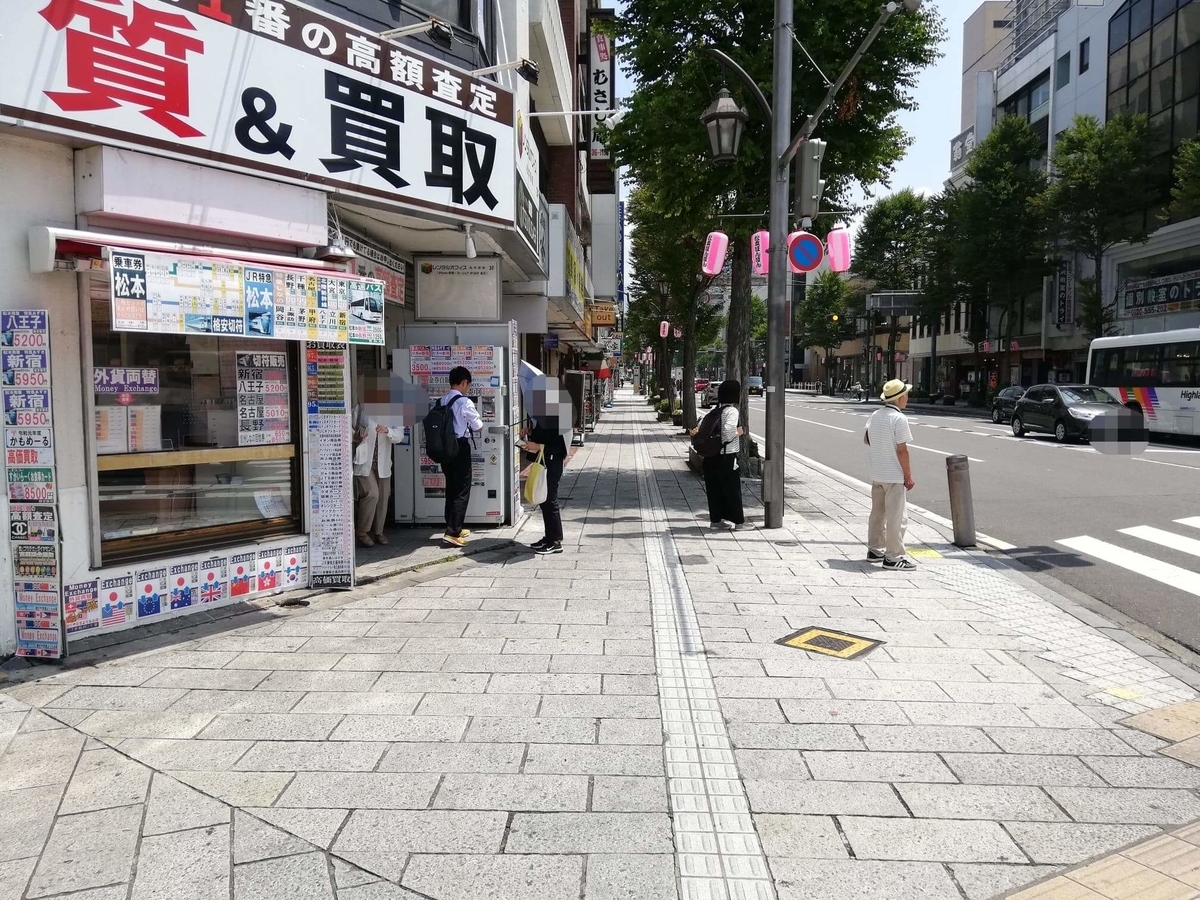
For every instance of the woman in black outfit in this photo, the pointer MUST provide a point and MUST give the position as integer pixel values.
(545, 436)
(722, 480)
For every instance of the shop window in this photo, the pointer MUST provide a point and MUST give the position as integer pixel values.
(1139, 18)
(1085, 55)
(1162, 9)
(1187, 116)
(1188, 26)
(1162, 42)
(1139, 56)
(1181, 365)
(1118, 31)
(1162, 85)
(1118, 70)
(1187, 73)
(1062, 74)
(196, 439)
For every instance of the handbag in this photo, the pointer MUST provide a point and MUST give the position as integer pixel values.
(536, 487)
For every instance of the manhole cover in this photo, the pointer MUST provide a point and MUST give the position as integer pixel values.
(829, 643)
(695, 560)
(787, 543)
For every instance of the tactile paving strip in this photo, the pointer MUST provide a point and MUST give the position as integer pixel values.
(717, 849)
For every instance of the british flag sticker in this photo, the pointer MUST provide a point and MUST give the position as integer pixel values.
(213, 575)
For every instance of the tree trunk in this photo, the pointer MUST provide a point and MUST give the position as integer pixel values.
(893, 337)
(689, 374)
(737, 333)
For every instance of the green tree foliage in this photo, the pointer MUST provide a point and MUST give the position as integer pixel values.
(822, 318)
(1185, 193)
(1102, 175)
(665, 147)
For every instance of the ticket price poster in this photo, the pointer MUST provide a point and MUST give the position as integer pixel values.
(31, 481)
(264, 416)
(164, 294)
(330, 490)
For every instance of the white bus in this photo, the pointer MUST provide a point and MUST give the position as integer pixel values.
(1158, 374)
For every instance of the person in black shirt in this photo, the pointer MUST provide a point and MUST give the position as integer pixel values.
(545, 436)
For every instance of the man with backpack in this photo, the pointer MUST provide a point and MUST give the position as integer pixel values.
(718, 440)
(448, 427)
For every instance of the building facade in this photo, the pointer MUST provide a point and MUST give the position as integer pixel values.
(219, 216)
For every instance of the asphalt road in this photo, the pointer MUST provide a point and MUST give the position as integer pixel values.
(1109, 526)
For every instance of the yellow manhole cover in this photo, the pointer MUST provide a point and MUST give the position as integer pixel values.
(830, 643)
(924, 553)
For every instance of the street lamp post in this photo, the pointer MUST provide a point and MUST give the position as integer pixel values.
(724, 121)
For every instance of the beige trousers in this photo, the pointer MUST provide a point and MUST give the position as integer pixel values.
(371, 512)
(889, 519)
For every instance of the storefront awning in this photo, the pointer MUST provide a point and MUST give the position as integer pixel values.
(47, 243)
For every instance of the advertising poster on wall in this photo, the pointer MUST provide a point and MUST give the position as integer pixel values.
(31, 481)
(162, 294)
(331, 502)
(81, 606)
(264, 414)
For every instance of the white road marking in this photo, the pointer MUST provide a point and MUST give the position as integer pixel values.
(1193, 521)
(1169, 539)
(1165, 573)
(823, 424)
(1170, 450)
(1159, 462)
(942, 452)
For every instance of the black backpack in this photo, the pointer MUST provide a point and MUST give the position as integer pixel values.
(707, 439)
(441, 443)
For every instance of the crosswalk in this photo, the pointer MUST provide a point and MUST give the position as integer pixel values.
(1184, 579)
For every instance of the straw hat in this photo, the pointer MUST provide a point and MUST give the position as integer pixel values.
(894, 390)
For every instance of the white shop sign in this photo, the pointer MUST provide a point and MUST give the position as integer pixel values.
(275, 88)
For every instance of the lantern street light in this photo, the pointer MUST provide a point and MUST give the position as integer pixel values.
(725, 121)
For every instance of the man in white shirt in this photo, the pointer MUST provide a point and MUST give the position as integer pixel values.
(458, 471)
(888, 436)
(372, 475)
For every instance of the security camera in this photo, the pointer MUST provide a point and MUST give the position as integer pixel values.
(529, 71)
(441, 32)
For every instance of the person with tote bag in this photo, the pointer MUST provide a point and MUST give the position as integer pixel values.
(549, 449)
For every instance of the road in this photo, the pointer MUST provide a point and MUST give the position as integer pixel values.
(1125, 530)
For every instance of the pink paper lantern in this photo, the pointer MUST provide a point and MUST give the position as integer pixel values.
(664, 328)
(714, 253)
(838, 246)
(791, 265)
(760, 258)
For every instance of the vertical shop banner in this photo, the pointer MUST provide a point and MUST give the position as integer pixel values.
(621, 255)
(1065, 299)
(32, 482)
(331, 483)
(602, 75)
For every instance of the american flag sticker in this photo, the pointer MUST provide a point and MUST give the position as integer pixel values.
(116, 600)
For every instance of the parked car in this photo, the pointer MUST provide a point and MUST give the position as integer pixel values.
(710, 394)
(754, 385)
(701, 384)
(1063, 410)
(1005, 402)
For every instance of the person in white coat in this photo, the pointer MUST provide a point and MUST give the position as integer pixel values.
(372, 476)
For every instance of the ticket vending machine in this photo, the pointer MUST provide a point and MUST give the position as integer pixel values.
(431, 352)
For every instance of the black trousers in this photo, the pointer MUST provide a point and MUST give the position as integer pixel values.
(551, 511)
(458, 488)
(723, 484)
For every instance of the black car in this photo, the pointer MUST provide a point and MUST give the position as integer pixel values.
(1005, 402)
(754, 385)
(1063, 410)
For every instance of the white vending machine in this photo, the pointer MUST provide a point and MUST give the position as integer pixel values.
(419, 485)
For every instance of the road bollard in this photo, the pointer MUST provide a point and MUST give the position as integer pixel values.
(962, 508)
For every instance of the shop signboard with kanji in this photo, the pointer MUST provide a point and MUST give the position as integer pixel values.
(270, 87)
(1159, 296)
(164, 294)
(31, 480)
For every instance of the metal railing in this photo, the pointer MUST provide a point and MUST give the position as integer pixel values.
(1031, 21)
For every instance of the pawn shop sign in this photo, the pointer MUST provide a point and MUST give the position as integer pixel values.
(805, 252)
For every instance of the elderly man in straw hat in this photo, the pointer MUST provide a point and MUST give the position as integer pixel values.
(888, 436)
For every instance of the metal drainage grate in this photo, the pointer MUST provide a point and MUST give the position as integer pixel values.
(694, 560)
(829, 643)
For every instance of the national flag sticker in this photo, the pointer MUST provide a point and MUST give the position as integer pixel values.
(242, 574)
(152, 590)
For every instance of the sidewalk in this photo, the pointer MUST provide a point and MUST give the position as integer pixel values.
(618, 722)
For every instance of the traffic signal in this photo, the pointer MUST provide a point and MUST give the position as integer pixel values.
(809, 184)
(834, 318)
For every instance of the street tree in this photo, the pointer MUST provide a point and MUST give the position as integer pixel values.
(1101, 174)
(890, 252)
(822, 320)
(664, 146)
(1185, 193)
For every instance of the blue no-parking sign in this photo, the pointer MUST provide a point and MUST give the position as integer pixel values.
(805, 251)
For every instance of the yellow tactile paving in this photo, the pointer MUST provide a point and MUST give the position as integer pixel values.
(1171, 856)
(1121, 878)
(1058, 889)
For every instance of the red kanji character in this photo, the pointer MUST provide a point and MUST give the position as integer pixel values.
(108, 65)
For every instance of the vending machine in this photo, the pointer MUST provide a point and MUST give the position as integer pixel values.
(419, 485)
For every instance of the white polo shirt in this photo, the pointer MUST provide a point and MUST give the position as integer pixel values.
(886, 428)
